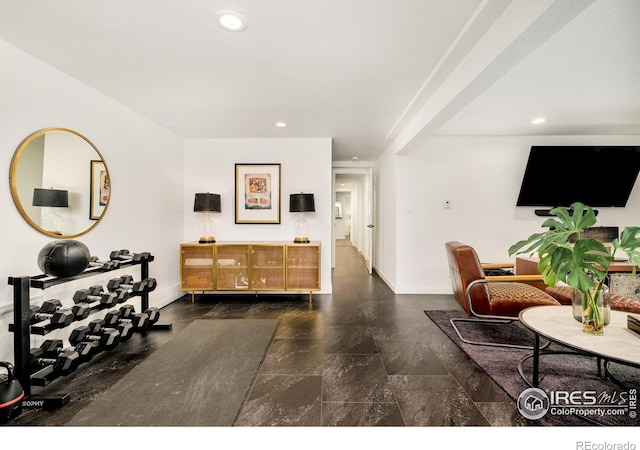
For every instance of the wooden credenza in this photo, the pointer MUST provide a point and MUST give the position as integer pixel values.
(620, 280)
(250, 266)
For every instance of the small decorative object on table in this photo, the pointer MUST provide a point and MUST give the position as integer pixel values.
(603, 300)
(582, 263)
(301, 203)
(207, 203)
(633, 323)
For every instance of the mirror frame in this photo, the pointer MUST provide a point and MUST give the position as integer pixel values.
(14, 190)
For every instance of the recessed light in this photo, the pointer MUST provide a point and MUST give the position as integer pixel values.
(538, 120)
(281, 124)
(231, 20)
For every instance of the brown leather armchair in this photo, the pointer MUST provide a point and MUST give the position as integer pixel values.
(494, 299)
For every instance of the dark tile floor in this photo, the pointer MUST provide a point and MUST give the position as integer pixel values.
(362, 356)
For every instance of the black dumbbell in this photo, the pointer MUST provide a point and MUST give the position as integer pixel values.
(62, 364)
(105, 339)
(125, 255)
(95, 298)
(122, 293)
(153, 313)
(79, 311)
(104, 265)
(54, 347)
(148, 284)
(151, 284)
(126, 315)
(98, 326)
(132, 288)
(57, 319)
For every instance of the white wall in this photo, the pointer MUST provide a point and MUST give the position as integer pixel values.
(145, 162)
(481, 178)
(209, 166)
(385, 234)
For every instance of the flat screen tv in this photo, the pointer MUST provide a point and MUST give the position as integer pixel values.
(598, 176)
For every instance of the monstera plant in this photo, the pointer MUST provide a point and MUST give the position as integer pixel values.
(582, 263)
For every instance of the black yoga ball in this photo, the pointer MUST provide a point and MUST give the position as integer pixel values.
(65, 258)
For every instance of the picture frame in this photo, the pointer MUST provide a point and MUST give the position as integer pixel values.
(257, 193)
(100, 189)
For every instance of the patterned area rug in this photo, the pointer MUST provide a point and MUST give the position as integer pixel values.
(595, 400)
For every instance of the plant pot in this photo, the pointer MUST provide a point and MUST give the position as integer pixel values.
(593, 309)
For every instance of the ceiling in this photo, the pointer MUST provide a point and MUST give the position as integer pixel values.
(371, 74)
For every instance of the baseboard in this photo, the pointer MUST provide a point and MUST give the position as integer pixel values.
(383, 278)
(163, 297)
(423, 290)
(412, 289)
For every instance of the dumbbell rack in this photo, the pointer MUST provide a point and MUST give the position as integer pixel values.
(21, 326)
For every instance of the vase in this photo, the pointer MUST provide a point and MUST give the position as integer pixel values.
(593, 309)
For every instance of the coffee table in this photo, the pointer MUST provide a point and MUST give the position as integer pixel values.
(556, 323)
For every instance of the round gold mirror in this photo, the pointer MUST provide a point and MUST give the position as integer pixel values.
(60, 182)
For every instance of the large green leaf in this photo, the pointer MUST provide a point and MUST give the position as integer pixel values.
(581, 266)
(584, 264)
(561, 229)
(629, 242)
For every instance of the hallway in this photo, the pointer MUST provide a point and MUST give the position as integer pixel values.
(371, 358)
(362, 356)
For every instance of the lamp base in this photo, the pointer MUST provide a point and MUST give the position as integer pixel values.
(207, 240)
(301, 240)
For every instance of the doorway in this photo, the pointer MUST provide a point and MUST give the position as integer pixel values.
(342, 216)
(353, 211)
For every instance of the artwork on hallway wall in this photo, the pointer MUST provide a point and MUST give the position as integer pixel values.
(257, 193)
(100, 189)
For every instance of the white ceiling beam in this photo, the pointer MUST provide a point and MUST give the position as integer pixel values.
(480, 21)
(497, 38)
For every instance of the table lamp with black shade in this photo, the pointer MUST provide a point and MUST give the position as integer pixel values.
(51, 198)
(207, 203)
(301, 203)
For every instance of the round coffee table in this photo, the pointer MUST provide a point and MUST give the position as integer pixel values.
(556, 323)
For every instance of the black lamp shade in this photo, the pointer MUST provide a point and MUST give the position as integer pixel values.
(301, 203)
(54, 198)
(207, 203)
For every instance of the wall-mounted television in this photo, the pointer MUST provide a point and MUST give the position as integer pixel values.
(598, 176)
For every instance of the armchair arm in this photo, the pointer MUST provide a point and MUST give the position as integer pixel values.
(498, 269)
(520, 278)
(504, 265)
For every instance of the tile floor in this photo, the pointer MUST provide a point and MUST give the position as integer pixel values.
(361, 356)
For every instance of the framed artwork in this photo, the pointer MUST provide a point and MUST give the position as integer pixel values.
(257, 193)
(100, 189)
